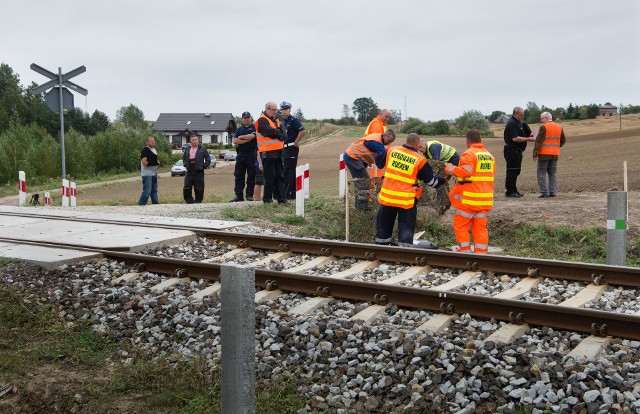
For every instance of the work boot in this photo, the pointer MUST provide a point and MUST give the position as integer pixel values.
(188, 196)
(424, 244)
(236, 199)
(199, 195)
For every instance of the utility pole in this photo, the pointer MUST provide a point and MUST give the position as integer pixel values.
(620, 117)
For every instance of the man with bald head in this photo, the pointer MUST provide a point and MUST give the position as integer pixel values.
(270, 137)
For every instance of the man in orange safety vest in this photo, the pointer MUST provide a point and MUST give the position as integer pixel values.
(547, 149)
(472, 196)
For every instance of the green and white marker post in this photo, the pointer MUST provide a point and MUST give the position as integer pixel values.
(617, 228)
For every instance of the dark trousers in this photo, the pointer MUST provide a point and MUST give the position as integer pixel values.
(386, 219)
(193, 180)
(245, 165)
(273, 180)
(290, 164)
(362, 182)
(514, 161)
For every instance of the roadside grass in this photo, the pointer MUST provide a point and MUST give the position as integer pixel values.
(324, 218)
(32, 337)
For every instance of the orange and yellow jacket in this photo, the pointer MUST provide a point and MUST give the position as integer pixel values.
(474, 183)
(376, 126)
(400, 186)
(551, 143)
(267, 143)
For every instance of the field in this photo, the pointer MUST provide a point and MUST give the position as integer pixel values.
(591, 164)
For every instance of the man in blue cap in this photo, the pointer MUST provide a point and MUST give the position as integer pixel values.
(295, 133)
(246, 159)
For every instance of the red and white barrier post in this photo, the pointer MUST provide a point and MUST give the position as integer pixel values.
(73, 193)
(305, 184)
(47, 199)
(22, 188)
(65, 193)
(300, 191)
(342, 178)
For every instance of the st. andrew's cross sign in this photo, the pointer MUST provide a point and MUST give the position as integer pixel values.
(59, 83)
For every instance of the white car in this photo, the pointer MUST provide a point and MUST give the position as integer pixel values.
(178, 169)
(230, 155)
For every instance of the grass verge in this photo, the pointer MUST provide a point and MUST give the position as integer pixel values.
(58, 368)
(324, 218)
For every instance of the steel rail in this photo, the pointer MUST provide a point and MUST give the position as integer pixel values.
(595, 322)
(514, 311)
(584, 272)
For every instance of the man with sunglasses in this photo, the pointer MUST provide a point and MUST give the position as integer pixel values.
(270, 137)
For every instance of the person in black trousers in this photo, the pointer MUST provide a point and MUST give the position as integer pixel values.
(247, 147)
(195, 159)
(516, 136)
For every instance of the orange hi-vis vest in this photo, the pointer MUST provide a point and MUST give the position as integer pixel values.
(475, 173)
(267, 143)
(358, 151)
(400, 178)
(376, 126)
(551, 143)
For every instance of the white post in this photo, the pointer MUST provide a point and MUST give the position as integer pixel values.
(47, 199)
(341, 178)
(305, 184)
(22, 188)
(346, 210)
(624, 171)
(300, 191)
(65, 193)
(73, 194)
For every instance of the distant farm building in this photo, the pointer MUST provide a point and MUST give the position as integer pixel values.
(211, 128)
(607, 110)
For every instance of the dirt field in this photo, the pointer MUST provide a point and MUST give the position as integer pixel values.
(590, 165)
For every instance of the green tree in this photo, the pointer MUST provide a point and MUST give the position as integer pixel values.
(99, 122)
(131, 117)
(299, 114)
(12, 106)
(495, 115)
(532, 113)
(364, 109)
(396, 116)
(472, 120)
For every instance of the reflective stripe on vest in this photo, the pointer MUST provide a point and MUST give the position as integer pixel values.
(358, 151)
(401, 172)
(475, 192)
(267, 143)
(446, 152)
(551, 143)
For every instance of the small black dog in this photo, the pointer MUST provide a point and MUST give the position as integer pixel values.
(35, 199)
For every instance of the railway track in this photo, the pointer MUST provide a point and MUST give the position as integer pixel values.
(353, 279)
(313, 298)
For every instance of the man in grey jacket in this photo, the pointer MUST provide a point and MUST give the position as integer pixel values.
(195, 159)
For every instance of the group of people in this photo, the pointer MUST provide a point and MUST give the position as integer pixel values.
(474, 171)
(268, 155)
(548, 140)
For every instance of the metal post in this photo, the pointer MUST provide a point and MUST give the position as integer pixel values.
(64, 168)
(237, 315)
(617, 228)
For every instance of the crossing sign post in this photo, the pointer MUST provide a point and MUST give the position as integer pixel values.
(59, 83)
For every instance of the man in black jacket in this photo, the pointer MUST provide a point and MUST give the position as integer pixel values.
(270, 136)
(195, 159)
(516, 136)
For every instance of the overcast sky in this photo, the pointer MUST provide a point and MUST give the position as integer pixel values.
(441, 58)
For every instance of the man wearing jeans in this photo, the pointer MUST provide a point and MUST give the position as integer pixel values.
(547, 150)
(149, 171)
